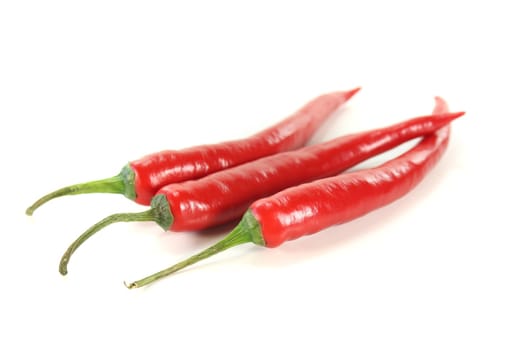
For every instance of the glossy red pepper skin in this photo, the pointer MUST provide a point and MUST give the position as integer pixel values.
(309, 208)
(156, 170)
(225, 196)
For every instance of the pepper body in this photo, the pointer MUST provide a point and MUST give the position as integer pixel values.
(309, 208)
(225, 196)
(159, 169)
(139, 180)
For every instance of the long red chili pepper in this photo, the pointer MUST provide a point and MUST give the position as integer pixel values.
(141, 179)
(311, 207)
(224, 196)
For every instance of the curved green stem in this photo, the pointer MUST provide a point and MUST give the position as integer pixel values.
(123, 183)
(110, 185)
(149, 215)
(233, 239)
(247, 231)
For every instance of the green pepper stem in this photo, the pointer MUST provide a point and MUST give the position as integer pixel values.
(236, 237)
(123, 183)
(149, 215)
(248, 230)
(110, 185)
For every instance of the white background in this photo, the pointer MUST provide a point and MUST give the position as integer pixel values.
(87, 86)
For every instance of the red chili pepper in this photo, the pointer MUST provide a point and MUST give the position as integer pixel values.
(225, 196)
(308, 208)
(141, 179)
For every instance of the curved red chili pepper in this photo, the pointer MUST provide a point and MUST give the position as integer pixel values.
(142, 178)
(307, 209)
(311, 207)
(224, 196)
